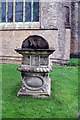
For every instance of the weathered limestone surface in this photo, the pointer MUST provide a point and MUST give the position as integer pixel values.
(78, 25)
(14, 39)
(35, 78)
(74, 26)
(49, 15)
(51, 27)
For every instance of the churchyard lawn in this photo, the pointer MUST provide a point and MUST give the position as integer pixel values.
(63, 102)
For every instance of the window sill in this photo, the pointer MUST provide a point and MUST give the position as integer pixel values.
(20, 25)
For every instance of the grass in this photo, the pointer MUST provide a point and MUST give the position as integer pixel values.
(74, 62)
(63, 102)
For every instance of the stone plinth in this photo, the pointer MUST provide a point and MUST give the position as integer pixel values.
(34, 69)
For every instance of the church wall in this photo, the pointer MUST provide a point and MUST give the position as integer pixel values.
(51, 27)
(13, 39)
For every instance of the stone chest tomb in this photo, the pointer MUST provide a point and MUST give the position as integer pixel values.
(35, 67)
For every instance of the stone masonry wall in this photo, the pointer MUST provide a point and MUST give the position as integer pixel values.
(55, 18)
(52, 28)
(13, 39)
(74, 27)
(49, 15)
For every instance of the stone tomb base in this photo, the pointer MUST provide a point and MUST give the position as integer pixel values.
(36, 85)
(35, 67)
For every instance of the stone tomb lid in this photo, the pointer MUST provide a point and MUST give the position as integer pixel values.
(27, 51)
(35, 50)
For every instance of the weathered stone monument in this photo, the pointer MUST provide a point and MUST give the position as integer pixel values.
(35, 67)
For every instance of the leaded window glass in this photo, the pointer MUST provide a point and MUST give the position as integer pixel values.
(23, 11)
